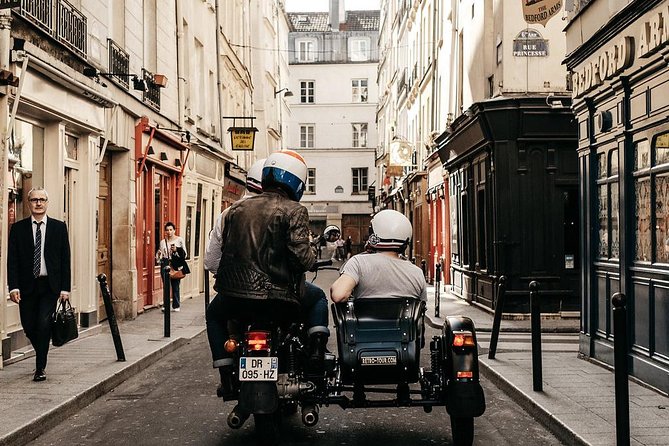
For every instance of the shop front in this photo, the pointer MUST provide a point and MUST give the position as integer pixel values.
(621, 100)
(437, 192)
(512, 199)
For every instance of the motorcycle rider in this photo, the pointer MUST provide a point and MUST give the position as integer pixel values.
(382, 272)
(265, 254)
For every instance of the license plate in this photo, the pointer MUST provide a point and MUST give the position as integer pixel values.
(259, 369)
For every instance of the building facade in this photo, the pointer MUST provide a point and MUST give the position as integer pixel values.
(122, 117)
(333, 60)
(616, 52)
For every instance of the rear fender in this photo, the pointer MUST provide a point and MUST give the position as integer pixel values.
(465, 396)
(258, 397)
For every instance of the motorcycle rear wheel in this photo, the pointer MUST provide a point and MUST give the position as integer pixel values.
(462, 430)
(268, 428)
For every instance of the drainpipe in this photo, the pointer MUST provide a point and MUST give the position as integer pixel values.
(181, 81)
(219, 82)
(5, 36)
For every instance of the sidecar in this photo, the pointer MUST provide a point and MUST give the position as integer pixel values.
(379, 341)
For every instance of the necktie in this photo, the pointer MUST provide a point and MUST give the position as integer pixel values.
(37, 256)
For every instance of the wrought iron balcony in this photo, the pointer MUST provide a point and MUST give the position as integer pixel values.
(151, 95)
(119, 62)
(60, 20)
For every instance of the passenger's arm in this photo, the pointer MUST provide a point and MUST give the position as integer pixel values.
(342, 288)
(301, 257)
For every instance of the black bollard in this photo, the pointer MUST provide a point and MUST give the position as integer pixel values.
(437, 289)
(111, 317)
(621, 369)
(413, 260)
(497, 321)
(537, 378)
(206, 289)
(423, 267)
(165, 273)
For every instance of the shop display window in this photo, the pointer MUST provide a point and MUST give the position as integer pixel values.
(607, 204)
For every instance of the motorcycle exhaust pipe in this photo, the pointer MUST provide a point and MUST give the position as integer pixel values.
(237, 418)
(310, 415)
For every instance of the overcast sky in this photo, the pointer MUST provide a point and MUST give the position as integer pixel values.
(322, 5)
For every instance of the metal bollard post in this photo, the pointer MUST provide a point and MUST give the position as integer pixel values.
(111, 317)
(497, 321)
(413, 260)
(206, 289)
(437, 289)
(537, 378)
(621, 366)
(423, 267)
(165, 273)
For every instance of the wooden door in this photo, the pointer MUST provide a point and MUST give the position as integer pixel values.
(103, 229)
(357, 227)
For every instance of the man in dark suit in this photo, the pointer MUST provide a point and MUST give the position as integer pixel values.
(38, 273)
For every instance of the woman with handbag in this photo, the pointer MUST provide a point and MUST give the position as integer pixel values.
(172, 247)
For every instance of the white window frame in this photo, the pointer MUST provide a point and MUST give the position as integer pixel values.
(360, 181)
(359, 134)
(305, 50)
(307, 91)
(360, 90)
(358, 49)
(307, 132)
(311, 182)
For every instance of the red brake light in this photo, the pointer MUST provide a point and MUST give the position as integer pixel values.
(465, 375)
(257, 340)
(463, 339)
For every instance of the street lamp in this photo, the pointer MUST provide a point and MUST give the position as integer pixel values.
(287, 94)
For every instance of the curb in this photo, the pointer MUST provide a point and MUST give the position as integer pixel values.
(58, 414)
(535, 410)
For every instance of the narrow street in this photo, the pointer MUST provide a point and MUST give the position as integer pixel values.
(173, 402)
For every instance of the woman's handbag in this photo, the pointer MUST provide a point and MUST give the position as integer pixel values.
(64, 326)
(176, 274)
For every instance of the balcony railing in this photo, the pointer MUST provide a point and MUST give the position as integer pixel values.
(119, 62)
(60, 20)
(151, 95)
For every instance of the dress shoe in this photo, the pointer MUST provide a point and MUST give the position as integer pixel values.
(39, 375)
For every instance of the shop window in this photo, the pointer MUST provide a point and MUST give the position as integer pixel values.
(660, 196)
(607, 206)
(481, 226)
(642, 187)
(464, 224)
(189, 228)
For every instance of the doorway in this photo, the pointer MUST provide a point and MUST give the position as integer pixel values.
(103, 229)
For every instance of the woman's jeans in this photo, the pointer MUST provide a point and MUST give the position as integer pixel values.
(176, 296)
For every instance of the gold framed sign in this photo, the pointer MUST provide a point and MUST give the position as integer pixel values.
(242, 138)
(540, 11)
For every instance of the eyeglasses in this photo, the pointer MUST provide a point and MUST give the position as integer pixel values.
(38, 200)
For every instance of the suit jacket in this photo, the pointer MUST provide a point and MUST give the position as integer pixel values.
(56, 255)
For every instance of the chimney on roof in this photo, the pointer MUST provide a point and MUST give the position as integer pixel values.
(337, 14)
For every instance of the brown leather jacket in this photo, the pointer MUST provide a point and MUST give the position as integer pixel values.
(266, 248)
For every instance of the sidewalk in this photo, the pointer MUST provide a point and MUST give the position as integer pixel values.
(577, 403)
(86, 368)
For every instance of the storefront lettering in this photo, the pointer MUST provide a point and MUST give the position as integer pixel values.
(654, 33)
(606, 65)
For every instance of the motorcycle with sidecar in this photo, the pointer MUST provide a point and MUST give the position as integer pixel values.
(379, 341)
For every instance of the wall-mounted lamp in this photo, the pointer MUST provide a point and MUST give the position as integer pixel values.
(287, 93)
(554, 102)
(138, 82)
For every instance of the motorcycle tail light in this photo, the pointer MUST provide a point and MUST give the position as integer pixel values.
(230, 345)
(464, 375)
(257, 340)
(463, 339)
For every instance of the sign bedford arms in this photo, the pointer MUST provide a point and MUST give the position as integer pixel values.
(540, 11)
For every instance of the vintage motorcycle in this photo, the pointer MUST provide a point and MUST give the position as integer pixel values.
(378, 342)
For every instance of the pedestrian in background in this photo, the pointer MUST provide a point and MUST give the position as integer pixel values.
(38, 273)
(172, 247)
(349, 247)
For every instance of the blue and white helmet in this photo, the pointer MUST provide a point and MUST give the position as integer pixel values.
(389, 230)
(254, 176)
(285, 169)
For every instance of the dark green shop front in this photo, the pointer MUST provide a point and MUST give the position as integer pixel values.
(513, 198)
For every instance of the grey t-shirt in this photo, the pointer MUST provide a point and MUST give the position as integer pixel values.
(378, 275)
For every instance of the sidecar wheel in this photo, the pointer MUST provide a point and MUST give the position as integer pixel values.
(462, 430)
(268, 428)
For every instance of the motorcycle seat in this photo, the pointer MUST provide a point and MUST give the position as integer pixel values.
(379, 339)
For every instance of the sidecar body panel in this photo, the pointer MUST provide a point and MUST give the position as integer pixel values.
(379, 340)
